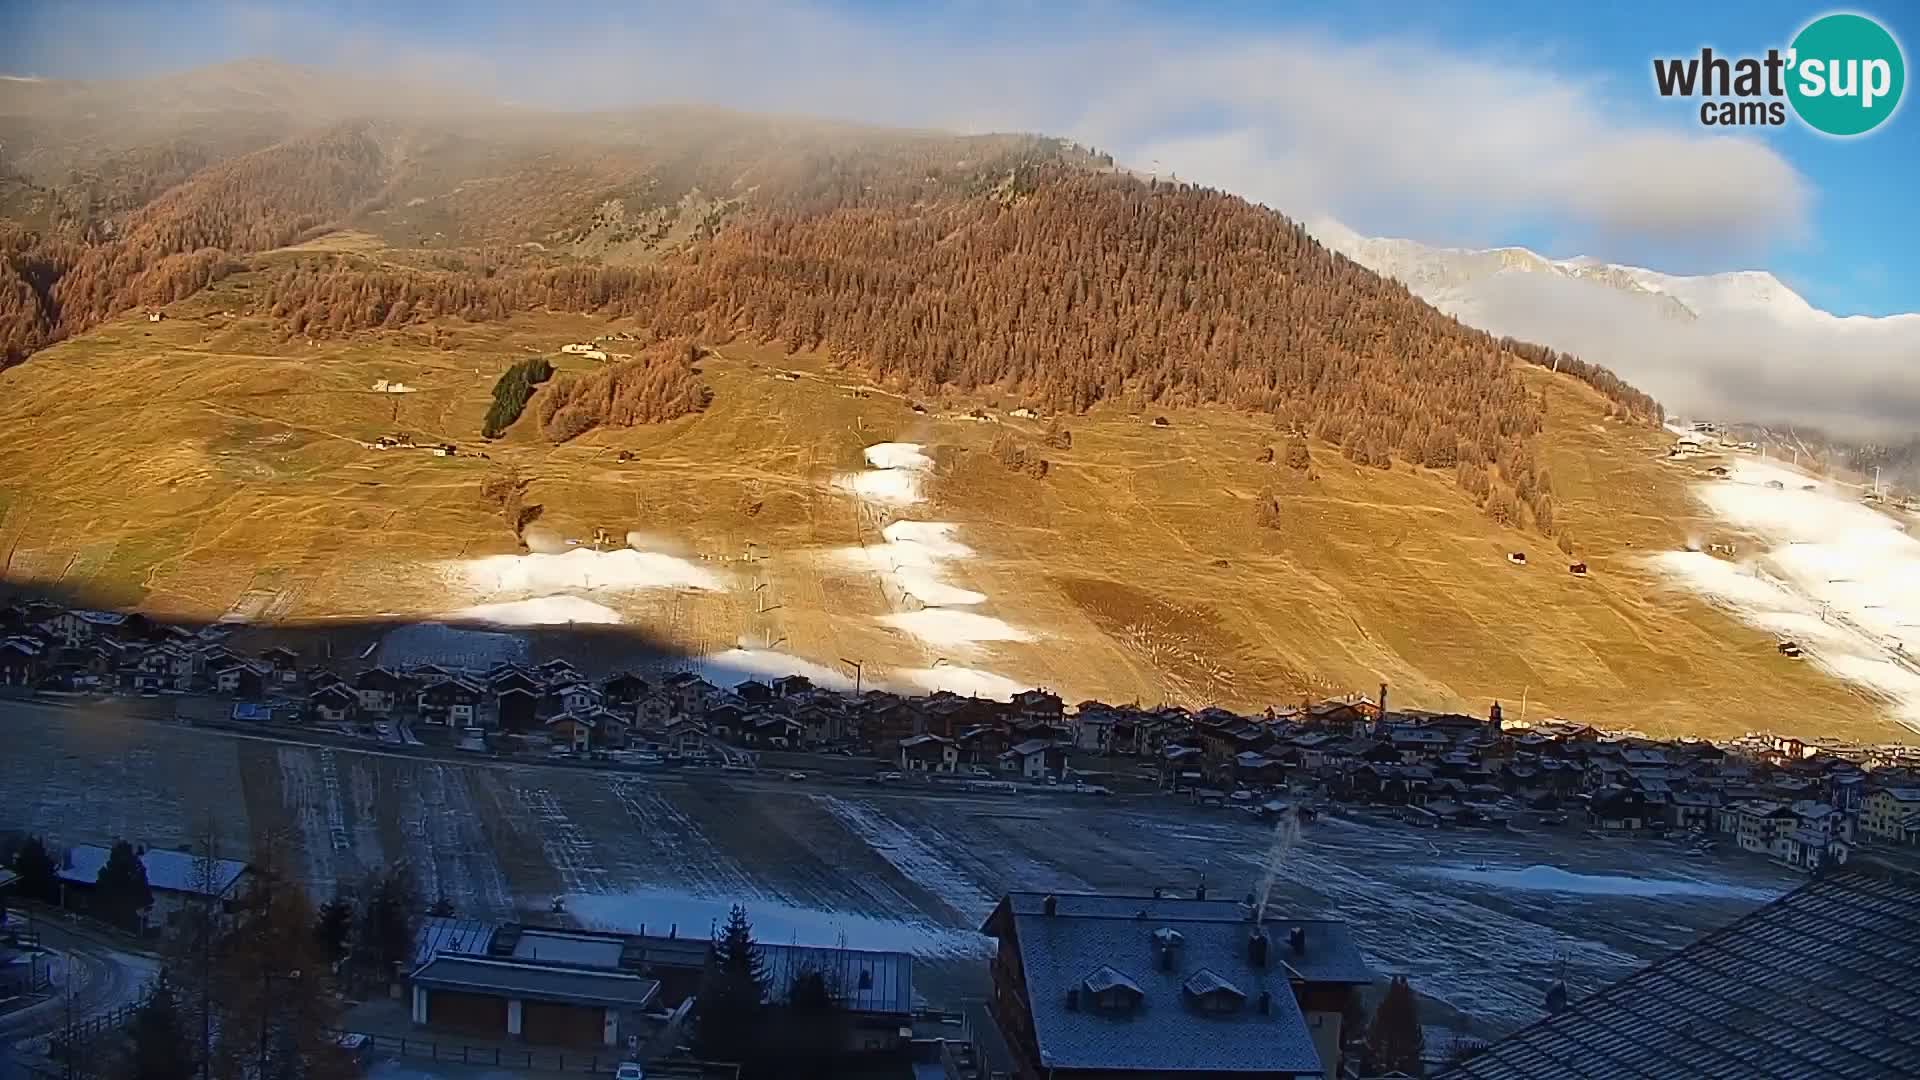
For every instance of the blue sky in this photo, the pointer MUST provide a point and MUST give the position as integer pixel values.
(1470, 123)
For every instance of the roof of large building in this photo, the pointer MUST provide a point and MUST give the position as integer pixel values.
(444, 934)
(1178, 1023)
(170, 871)
(539, 982)
(1824, 981)
(869, 982)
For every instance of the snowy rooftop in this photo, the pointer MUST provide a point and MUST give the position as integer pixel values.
(1060, 951)
(1813, 984)
(171, 871)
(538, 982)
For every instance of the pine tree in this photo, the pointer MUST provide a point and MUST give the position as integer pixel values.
(1395, 1041)
(731, 1002)
(158, 1048)
(39, 878)
(121, 892)
(332, 926)
(1298, 456)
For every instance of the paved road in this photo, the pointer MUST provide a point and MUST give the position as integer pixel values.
(91, 976)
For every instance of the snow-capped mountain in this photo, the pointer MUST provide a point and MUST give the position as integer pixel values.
(1740, 345)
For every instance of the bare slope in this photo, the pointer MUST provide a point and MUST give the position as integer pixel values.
(210, 466)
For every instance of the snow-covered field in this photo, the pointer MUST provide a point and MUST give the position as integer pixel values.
(582, 570)
(560, 610)
(894, 477)
(1838, 577)
(886, 869)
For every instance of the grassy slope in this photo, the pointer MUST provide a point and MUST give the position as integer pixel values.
(198, 466)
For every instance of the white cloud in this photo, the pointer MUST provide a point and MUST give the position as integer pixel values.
(1307, 123)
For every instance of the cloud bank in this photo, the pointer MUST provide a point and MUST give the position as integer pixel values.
(1442, 143)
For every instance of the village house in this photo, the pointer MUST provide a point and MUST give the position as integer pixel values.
(454, 702)
(179, 880)
(1034, 759)
(622, 692)
(929, 753)
(242, 678)
(1892, 815)
(556, 672)
(20, 660)
(79, 627)
(764, 727)
(1122, 986)
(333, 704)
(283, 664)
(380, 691)
(688, 692)
(587, 730)
(1691, 811)
(1760, 826)
(516, 709)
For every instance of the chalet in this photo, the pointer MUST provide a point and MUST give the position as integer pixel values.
(333, 704)
(623, 692)
(502, 677)
(21, 658)
(574, 697)
(1252, 769)
(767, 728)
(1892, 815)
(1034, 759)
(285, 665)
(982, 745)
(820, 724)
(929, 753)
(688, 692)
(787, 686)
(1093, 726)
(1759, 825)
(78, 627)
(380, 691)
(728, 722)
(682, 735)
(1691, 811)
(453, 701)
(1620, 809)
(180, 881)
(1041, 705)
(892, 720)
(246, 678)
(516, 708)
(589, 729)
(1120, 986)
(655, 707)
(754, 692)
(424, 675)
(556, 672)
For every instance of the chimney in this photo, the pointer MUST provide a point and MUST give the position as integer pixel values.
(1297, 940)
(1266, 1002)
(1073, 999)
(1050, 905)
(1257, 948)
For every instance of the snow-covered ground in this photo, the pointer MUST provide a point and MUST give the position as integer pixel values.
(583, 570)
(1838, 577)
(737, 665)
(560, 610)
(894, 477)
(888, 869)
(915, 562)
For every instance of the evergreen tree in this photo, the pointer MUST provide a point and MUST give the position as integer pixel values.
(38, 880)
(157, 1044)
(1395, 1041)
(732, 997)
(389, 920)
(332, 926)
(121, 892)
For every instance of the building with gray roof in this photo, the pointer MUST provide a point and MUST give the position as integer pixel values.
(179, 880)
(1824, 982)
(1088, 985)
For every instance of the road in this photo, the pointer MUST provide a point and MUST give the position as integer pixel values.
(92, 975)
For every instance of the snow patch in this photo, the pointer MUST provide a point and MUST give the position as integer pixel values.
(1840, 578)
(1539, 878)
(939, 626)
(737, 665)
(773, 920)
(895, 477)
(559, 610)
(582, 569)
(971, 682)
(898, 455)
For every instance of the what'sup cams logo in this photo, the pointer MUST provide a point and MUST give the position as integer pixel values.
(1842, 75)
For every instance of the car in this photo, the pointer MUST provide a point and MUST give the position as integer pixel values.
(796, 776)
(891, 776)
(980, 770)
(629, 1070)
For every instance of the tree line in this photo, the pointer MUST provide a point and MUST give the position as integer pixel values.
(511, 393)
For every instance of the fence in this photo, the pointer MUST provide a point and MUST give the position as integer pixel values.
(535, 1059)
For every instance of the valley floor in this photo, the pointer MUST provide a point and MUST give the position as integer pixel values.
(1481, 922)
